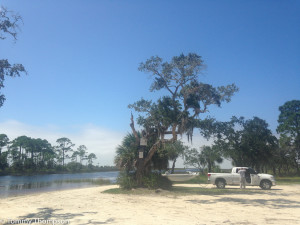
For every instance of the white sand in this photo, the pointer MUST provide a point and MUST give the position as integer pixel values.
(281, 205)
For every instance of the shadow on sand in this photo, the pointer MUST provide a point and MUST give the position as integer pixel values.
(45, 214)
(278, 203)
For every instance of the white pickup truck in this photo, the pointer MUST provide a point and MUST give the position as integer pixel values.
(265, 181)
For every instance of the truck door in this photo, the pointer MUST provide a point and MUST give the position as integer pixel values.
(254, 179)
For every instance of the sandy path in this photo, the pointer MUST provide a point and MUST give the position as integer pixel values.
(89, 206)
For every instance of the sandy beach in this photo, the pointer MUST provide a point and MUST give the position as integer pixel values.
(281, 205)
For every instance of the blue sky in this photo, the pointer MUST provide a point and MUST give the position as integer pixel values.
(82, 59)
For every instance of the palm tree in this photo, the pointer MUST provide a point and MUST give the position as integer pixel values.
(126, 153)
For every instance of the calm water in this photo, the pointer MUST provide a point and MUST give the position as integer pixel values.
(20, 185)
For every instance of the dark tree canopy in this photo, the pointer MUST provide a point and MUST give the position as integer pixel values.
(289, 127)
(9, 23)
(289, 118)
(186, 97)
(245, 142)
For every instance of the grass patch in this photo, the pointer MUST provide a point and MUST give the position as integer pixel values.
(211, 191)
(87, 180)
(180, 191)
(287, 180)
(138, 191)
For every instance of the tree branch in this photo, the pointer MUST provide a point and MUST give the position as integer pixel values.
(137, 138)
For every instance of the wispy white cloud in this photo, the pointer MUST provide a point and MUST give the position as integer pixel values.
(100, 141)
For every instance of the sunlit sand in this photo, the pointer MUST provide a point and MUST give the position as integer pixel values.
(280, 205)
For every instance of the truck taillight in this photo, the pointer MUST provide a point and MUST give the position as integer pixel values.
(208, 174)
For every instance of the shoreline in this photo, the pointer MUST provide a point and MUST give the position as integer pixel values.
(90, 205)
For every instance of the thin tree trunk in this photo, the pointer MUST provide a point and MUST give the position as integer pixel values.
(209, 166)
(274, 170)
(297, 167)
(137, 138)
(173, 166)
(174, 133)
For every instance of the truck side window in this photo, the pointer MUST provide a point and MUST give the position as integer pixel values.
(251, 171)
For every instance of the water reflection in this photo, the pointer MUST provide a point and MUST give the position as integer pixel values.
(30, 185)
(19, 185)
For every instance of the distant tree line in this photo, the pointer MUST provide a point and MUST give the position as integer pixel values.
(35, 155)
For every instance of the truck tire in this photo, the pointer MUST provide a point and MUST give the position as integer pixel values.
(220, 183)
(265, 185)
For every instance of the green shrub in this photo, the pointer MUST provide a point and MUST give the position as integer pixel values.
(127, 180)
(152, 180)
(155, 180)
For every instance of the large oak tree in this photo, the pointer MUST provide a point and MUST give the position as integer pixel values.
(184, 97)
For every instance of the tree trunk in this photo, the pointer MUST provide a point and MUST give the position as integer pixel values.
(274, 170)
(140, 172)
(174, 133)
(143, 164)
(137, 138)
(297, 166)
(173, 166)
(209, 166)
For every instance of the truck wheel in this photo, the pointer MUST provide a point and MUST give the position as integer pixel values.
(265, 184)
(220, 184)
